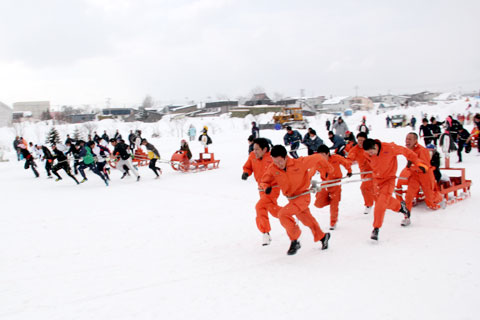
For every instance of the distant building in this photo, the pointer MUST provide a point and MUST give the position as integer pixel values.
(447, 96)
(117, 111)
(37, 108)
(390, 99)
(424, 96)
(5, 115)
(335, 104)
(361, 103)
(309, 106)
(182, 109)
(259, 99)
(79, 118)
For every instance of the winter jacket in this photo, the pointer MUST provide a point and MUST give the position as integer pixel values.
(340, 128)
(312, 144)
(255, 131)
(121, 151)
(87, 156)
(384, 163)
(59, 155)
(425, 131)
(257, 166)
(293, 140)
(296, 177)
(208, 139)
(192, 132)
(335, 161)
(337, 142)
(46, 153)
(151, 147)
(361, 157)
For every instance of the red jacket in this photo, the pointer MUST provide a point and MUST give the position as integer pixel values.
(295, 178)
(362, 158)
(335, 161)
(384, 164)
(257, 166)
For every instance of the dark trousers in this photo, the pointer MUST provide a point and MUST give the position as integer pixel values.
(152, 166)
(65, 166)
(30, 163)
(48, 166)
(92, 167)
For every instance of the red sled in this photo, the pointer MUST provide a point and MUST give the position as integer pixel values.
(180, 162)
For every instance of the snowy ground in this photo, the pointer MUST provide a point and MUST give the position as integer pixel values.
(186, 246)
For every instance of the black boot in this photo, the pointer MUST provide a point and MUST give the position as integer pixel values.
(404, 210)
(294, 246)
(324, 240)
(374, 235)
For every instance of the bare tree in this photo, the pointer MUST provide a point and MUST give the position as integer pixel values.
(90, 127)
(147, 102)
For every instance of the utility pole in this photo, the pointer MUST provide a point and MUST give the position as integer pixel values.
(356, 91)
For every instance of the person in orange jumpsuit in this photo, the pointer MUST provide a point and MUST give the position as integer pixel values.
(257, 163)
(383, 160)
(293, 177)
(332, 195)
(418, 178)
(358, 154)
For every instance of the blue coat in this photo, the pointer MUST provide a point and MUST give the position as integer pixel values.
(293, 140)
(312, 144)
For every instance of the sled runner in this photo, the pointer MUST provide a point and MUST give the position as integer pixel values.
(180, 162)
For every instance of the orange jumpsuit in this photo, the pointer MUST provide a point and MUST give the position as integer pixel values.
(384, 167)
(294, 180)
(362, 158)
(267, 202)
(332, 195)
(419, 179)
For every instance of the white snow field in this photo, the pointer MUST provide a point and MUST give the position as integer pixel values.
(186, 246)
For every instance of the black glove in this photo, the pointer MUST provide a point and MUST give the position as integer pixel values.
(244, 176)
(422, 168)
(409, 164)
(268, 190)
(349, 174)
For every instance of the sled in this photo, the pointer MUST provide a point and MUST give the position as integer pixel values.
(180, 162)
(139, 159)
(455, 189)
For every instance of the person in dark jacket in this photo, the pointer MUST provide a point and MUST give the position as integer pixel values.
(154, 155)
(312, 141)
(16, 142)
(105, 136)
(71, 149)
(426, 132)
(117, 136)
(124, 159)
(185, 147)
(413, 122)
(435, 161)
(328, 124)
(62, 163)
(131, 140)
(292, 138)
(463, 136)
(434, 127)
(255, 130)
(48, 157)
(29, 162)
(338, 143)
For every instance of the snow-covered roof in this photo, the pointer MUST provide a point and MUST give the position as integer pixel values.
(335, 100)
(444, 96)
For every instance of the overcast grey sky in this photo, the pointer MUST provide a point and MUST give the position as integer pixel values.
(83, 51)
